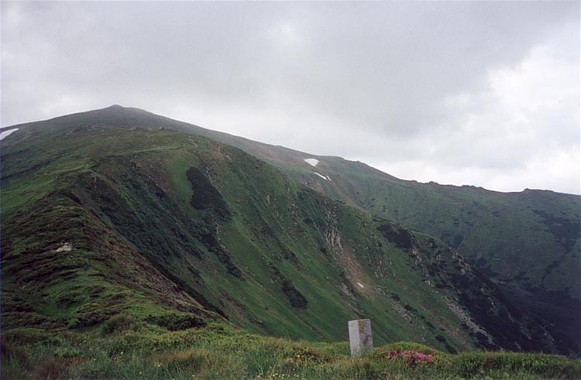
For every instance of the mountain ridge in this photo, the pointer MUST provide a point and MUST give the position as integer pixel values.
(128, 178)
(241, 142)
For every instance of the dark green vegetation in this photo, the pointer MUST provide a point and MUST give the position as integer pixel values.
(127, 224)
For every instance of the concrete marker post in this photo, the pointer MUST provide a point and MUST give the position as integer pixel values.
(360, 339)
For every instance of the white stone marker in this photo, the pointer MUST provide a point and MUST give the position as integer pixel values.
(360, 336)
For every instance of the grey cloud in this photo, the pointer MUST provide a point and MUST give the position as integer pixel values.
(315, 76)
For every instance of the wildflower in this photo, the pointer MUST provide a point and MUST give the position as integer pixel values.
(424, 357)
(413, 358)
(392, 354)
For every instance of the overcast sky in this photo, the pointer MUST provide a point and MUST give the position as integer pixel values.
(478, 93)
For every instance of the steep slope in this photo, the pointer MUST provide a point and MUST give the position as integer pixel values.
(541, 230)
(529, 243)
(111, 212)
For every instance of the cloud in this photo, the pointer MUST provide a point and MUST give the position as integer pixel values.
(416, 88)
(521, 131)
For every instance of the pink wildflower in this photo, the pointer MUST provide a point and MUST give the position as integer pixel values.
(413, 358)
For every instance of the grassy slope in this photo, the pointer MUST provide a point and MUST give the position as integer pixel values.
(540, 230)
(268, 261)
(235, 234)
(157, 248)
(537, 232)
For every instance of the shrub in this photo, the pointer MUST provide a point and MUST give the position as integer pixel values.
(175, 321)
(119, 323)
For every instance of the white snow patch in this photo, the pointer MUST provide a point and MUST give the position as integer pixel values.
(361, 285)
(66, 247)
(5, 134)
(325, 177)
(312, 161)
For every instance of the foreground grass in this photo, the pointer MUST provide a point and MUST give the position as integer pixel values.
(124, 348)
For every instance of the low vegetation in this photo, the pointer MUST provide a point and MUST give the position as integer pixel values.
(127, 348)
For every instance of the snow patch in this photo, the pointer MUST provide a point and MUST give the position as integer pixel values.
(312, 161)
(66, 247)
(361, 285)
(325, 177)
(7, 133)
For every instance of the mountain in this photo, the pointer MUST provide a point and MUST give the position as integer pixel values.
(527, 243)
(122, 212)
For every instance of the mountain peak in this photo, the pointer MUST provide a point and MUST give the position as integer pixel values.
(118, 107)
(119, 110)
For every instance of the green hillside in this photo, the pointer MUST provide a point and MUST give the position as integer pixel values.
(538, 230)
(117, 219)
(528, 243)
